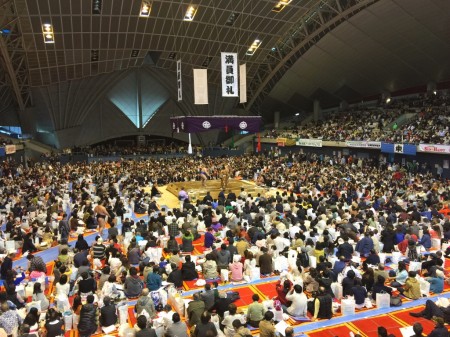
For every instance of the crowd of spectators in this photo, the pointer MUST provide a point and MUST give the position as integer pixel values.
(326, 234)
(430, 123)
(131, 149)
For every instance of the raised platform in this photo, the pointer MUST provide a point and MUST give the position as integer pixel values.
(197, 191)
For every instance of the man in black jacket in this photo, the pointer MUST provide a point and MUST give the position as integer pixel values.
(6, 265)
(175, 276)
(88, 318)
(108, 313)
(345, 249)
(221, 304)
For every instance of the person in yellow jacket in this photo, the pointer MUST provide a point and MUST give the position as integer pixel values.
(411, 289)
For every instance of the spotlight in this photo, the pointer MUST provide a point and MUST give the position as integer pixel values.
(190, 13)
(47, 31)
(388, 100)
(96, 7)
(252, 49)
(145, 9)
(435, 92)
(297, 114)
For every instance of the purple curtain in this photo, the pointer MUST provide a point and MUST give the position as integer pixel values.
(205, 123)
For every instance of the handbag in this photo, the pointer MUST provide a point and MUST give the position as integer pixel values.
(396, 301)
(383, 300)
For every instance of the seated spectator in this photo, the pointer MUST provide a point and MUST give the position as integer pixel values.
(54, 323)
(178, 328)
(38, 295)
(86, 285)
(373, 258)
(379, 287)
(401, 275)
(298, 299)
(210, 268)
(411, 289)
(436, 282)
(205, 325)
(266, 326)
(188, 270)
(187, 242)
(195, 310)
(236, 269)
(145, 328)
(255, 312)
(133, 284)
(144, 302)
(322, 305)
(175, 276)
(283, 289)
(108, 313)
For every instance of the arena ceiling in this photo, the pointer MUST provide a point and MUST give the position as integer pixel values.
(331, 50)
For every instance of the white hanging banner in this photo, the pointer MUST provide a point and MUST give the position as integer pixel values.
(179, 85)
(230, 78)
(243, 83)
(201, 86)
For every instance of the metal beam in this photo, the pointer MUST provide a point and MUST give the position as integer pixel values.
(314, 29)
(12, 74)
(13, 56)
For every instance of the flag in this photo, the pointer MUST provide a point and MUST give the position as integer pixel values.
(258, 146)
(230, 76)
(408, 149)
(179, 84)
(243, 83)
(201, 86)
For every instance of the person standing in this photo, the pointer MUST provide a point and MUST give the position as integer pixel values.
(63, 228)
(6, 265)
(101, 214)
(182, 197)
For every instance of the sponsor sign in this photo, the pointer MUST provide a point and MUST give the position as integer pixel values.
(363, 144)
(10, 149)
(434, 148)
(309, 142)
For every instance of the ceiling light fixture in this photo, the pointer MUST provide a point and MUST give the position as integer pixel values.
(190, 13)
(47, 31)
(97, 7)
(281, 5)
(94, 55)
(254, 46)
(145, 9)
(135, 53)
(297, 114)
(207, 61)
(172, 55)
(232, 18)
(388, 100)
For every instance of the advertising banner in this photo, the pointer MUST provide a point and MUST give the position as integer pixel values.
(309, 142)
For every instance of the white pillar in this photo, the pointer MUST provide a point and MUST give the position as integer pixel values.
(317, 110)
(276, 119)
(190, 144)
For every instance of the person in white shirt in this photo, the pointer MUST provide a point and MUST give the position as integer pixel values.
(281, 243)
(229, 319)
(293, 230)
(298, 307)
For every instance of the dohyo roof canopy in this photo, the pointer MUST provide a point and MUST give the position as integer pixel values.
(206, 123)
